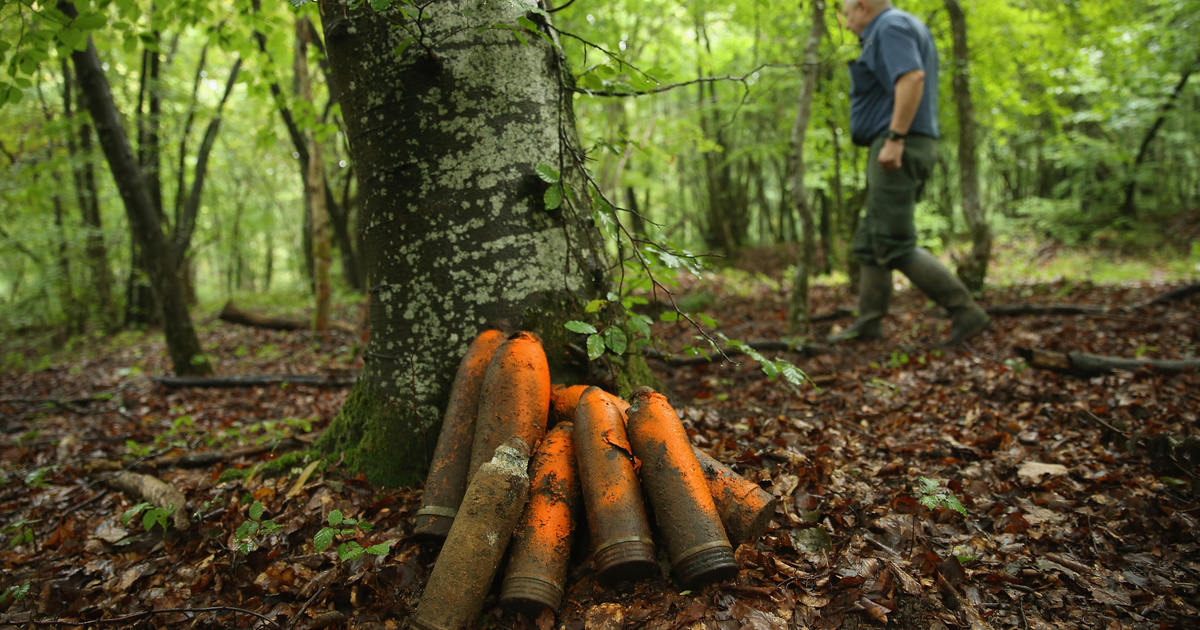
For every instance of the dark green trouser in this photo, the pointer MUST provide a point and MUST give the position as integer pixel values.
(886, 231)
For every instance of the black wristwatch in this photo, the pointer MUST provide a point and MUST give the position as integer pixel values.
(892, 134)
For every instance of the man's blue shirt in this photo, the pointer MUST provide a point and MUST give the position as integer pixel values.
(894, 43)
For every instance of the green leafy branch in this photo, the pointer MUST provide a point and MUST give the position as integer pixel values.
(341, 526)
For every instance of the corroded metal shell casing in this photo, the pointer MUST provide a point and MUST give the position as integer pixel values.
(541, 550)
(515, 399)
(447, 480)
(744, 507)
(678, 492)
(476, 542)
(563, 399)
(621, 539)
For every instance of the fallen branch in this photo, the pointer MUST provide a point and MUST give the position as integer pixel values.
(206, 458)
(146, 613)
(673, 358)
(1085, 364)
(1183, 292)
(1009, 310)
(257, 380)
(837, 313)
(154, 490)
(1084, 309)
(235, 315)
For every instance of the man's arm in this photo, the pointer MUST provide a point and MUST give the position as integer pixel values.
(909, 88)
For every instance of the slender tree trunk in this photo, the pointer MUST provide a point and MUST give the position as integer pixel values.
(315, 189)
(973, 270)
(142, 304)
(826, 231)
(84, 176)
(182, 343)
(798, 310)
(1129, 207)
(74, 313)
(446, 139)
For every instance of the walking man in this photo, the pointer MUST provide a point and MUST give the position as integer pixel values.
(893, 110)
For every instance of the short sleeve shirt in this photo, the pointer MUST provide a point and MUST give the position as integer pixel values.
(894, 43)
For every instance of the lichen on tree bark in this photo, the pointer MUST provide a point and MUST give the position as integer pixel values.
(446, 138)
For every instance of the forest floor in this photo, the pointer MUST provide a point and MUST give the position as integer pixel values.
(1075, 515)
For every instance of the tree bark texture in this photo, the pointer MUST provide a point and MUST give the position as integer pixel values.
(182, 343)
(972, 271)
(446, 140)
(798, 308)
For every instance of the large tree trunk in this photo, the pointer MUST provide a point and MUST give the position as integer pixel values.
(973, 270)
(182, 343)
(446, 139)
(798, 309)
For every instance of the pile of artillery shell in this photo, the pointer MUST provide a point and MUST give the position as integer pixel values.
(602, 455)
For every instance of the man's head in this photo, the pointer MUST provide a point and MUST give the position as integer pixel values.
(857, 14)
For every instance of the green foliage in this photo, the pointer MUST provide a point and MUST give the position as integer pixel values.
(250, 533)
(18, 532)
(16, 592)
(932, 495)
(151, 515)
(341, 526)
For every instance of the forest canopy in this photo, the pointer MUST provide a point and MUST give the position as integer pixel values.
(1086, 125)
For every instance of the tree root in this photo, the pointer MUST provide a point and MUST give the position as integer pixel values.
(154, 490)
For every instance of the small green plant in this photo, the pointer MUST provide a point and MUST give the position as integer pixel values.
(245, 539)
(932, 495)
(341, 526)
(137, 450)
(27, 436)
(899, 358)
(37, 477)
(199, 513)
(16, 592)
(20, 531)
(151, 515)
(887, 387)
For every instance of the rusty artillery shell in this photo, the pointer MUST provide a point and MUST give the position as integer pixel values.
(622, 543)
(515, 399)
(537, 566)
(447, 480)
(563, 400)
(678, 491)
(476, 542)
(744, 507)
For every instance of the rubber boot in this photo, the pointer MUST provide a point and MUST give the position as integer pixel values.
(874, 293)
(943, 287)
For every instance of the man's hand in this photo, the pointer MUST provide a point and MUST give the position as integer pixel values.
(890, 155)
